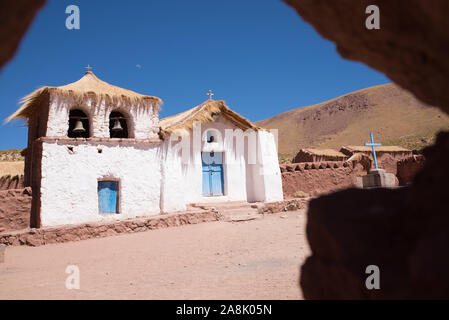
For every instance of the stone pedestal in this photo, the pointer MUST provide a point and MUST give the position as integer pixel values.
(377, 178)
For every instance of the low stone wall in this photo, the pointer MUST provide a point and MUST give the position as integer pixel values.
(283, 206)
(408, 168)
(8, 182)
(15, 206)
(315, 178)
(38, 237)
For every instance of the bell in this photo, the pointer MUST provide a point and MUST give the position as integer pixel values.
(79, 127)
(117, 126)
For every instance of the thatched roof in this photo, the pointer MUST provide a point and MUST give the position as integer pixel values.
(87, 87)
(353, 149)
(184, 121)
(323, 152)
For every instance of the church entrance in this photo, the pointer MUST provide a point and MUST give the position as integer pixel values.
(212, 173)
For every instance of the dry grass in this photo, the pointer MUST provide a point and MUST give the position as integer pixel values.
(393, 114)
(301, 194)
(11, 168)
(183, 122)
(87, 87)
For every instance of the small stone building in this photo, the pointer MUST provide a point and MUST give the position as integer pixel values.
(387, 156)
(318, 155)
(98, 152)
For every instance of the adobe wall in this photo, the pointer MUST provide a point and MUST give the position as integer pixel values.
(8, 182)
(15, 207)
(304, 157)
(307, 157)
(60, 234)
(77, 232)
(135, 164)
(143, 123)
(388, 161)
(317, 178)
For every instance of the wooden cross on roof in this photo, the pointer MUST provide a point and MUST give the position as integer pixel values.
(88, 68)
(210, 94)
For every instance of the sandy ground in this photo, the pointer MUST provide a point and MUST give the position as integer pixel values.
(217, 260)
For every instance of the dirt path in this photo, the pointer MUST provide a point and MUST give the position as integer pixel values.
(218, 260)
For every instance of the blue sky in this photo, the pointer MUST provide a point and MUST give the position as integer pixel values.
(257, 55)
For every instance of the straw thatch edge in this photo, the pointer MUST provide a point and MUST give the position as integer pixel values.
(323, 152)
(31, 101)
(203, 113)
(354, 149)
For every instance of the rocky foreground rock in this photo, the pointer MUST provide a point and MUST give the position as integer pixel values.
(406, 231)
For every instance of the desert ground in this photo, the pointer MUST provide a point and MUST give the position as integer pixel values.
(257, 259)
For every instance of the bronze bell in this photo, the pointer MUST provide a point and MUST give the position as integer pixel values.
(79, 128)
(117, 126)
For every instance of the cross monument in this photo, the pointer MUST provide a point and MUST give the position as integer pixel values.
(373, 146)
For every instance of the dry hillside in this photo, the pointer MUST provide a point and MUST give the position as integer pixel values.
(393, 114)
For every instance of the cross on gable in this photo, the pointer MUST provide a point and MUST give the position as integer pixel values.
(210, 94)
(88, 68)
(373, 145)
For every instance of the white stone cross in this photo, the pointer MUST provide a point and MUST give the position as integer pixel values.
(210, 94)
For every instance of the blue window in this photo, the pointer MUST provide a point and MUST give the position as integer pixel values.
(107, 196)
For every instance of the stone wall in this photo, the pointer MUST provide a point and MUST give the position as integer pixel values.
(317, 178)
(8, 182)
(403, 231)
(15, 206)
(42, 236)
(37, 237)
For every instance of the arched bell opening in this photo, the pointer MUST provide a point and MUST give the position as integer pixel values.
(78, 124)
(118, 126)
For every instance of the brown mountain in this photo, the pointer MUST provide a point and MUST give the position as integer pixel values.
(393, 114)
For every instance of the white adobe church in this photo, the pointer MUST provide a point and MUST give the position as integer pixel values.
(99, 152)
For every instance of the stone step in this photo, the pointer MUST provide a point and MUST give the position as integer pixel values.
(232, 211)
(238, 218)
(238, 211)
(223, 205)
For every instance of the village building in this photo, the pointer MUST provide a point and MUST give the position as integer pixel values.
(318, 155)
(387, 156)
(99, 152)
(394, 151)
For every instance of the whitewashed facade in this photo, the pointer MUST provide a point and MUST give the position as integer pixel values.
(144, 174)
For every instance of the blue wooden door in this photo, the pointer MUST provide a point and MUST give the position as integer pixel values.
(107, 196)
(212, 173)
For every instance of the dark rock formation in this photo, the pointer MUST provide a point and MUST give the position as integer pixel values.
(8, 182)
(410, 47)
(316, 178)
(15, 18)
(404, 231)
